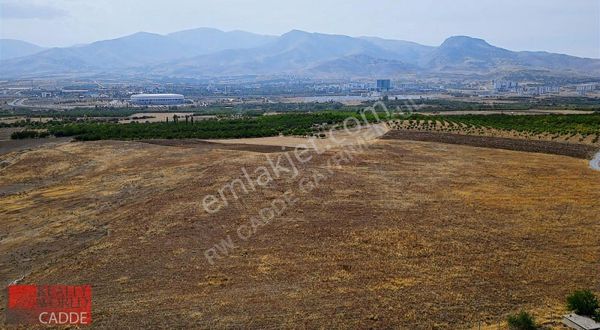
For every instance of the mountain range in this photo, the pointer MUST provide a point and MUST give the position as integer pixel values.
(10, 48)
(209, 53)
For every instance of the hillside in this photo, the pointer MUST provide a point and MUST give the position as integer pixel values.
(481, 232)
(211, 53)
(10, 48)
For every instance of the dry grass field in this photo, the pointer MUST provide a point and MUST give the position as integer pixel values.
(403, 234)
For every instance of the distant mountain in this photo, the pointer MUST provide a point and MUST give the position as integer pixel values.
(361, 66)
(407, 51)
(465, 53)
(564, 63)
(208, 52)
(136, 50)
(102, 56)
(295, 52)
(471, 55)
(206, 40)
(10, 48)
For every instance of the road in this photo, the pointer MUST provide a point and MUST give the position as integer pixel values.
(18, 103)
(21, 103)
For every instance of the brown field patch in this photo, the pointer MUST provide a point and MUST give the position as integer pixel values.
(408, 234)
(583, 151)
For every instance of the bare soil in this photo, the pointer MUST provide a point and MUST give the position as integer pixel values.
(207, 145)
(407, 234)
(582, 151)
(8, 146)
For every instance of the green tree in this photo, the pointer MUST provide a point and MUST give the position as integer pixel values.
(522, 321)
(583, 302)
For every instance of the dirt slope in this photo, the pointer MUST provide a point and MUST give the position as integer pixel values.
(403, 235)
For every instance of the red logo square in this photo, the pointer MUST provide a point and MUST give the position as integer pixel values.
(56, 305)
(22, 296)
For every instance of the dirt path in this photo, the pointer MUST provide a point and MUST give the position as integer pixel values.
(207, 145)
(332, 139)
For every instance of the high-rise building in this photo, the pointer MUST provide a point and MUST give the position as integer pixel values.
(584, 89)
(384, 85)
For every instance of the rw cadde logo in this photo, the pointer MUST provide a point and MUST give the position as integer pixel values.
(49, 304)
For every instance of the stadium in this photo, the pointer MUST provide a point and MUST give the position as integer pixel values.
(157, 99)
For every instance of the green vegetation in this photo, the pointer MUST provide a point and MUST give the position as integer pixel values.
(522, 321)
(552, 124)
(253, 124)
(583, 302)
(216, 109)
(567, 103)
(243, 120)
(286, 124)
(73, 113)
(514, 103)
(31, 124)
(283, 107)
(257, 109)
(27, 134)
(434, 105)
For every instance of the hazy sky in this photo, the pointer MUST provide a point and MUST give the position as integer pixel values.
(565, 26)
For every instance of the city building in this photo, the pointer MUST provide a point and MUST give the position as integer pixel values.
(540, 90)
(505, 86)
(157, 99)
(384, 85)
(584, 89)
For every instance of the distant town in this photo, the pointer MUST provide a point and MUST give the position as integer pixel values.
(69, 94)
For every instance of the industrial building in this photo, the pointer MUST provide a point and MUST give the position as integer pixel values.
(157, 99)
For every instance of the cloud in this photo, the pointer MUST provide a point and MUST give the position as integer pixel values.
(30, 11)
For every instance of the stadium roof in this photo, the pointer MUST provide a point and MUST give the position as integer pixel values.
(156, 96)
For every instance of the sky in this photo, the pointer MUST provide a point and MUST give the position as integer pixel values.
(562, 26)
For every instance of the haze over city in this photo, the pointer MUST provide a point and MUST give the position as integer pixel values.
(570, 27)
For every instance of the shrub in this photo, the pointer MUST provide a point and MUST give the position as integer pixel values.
(522, 321)
(24, 135)
(583, 302)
